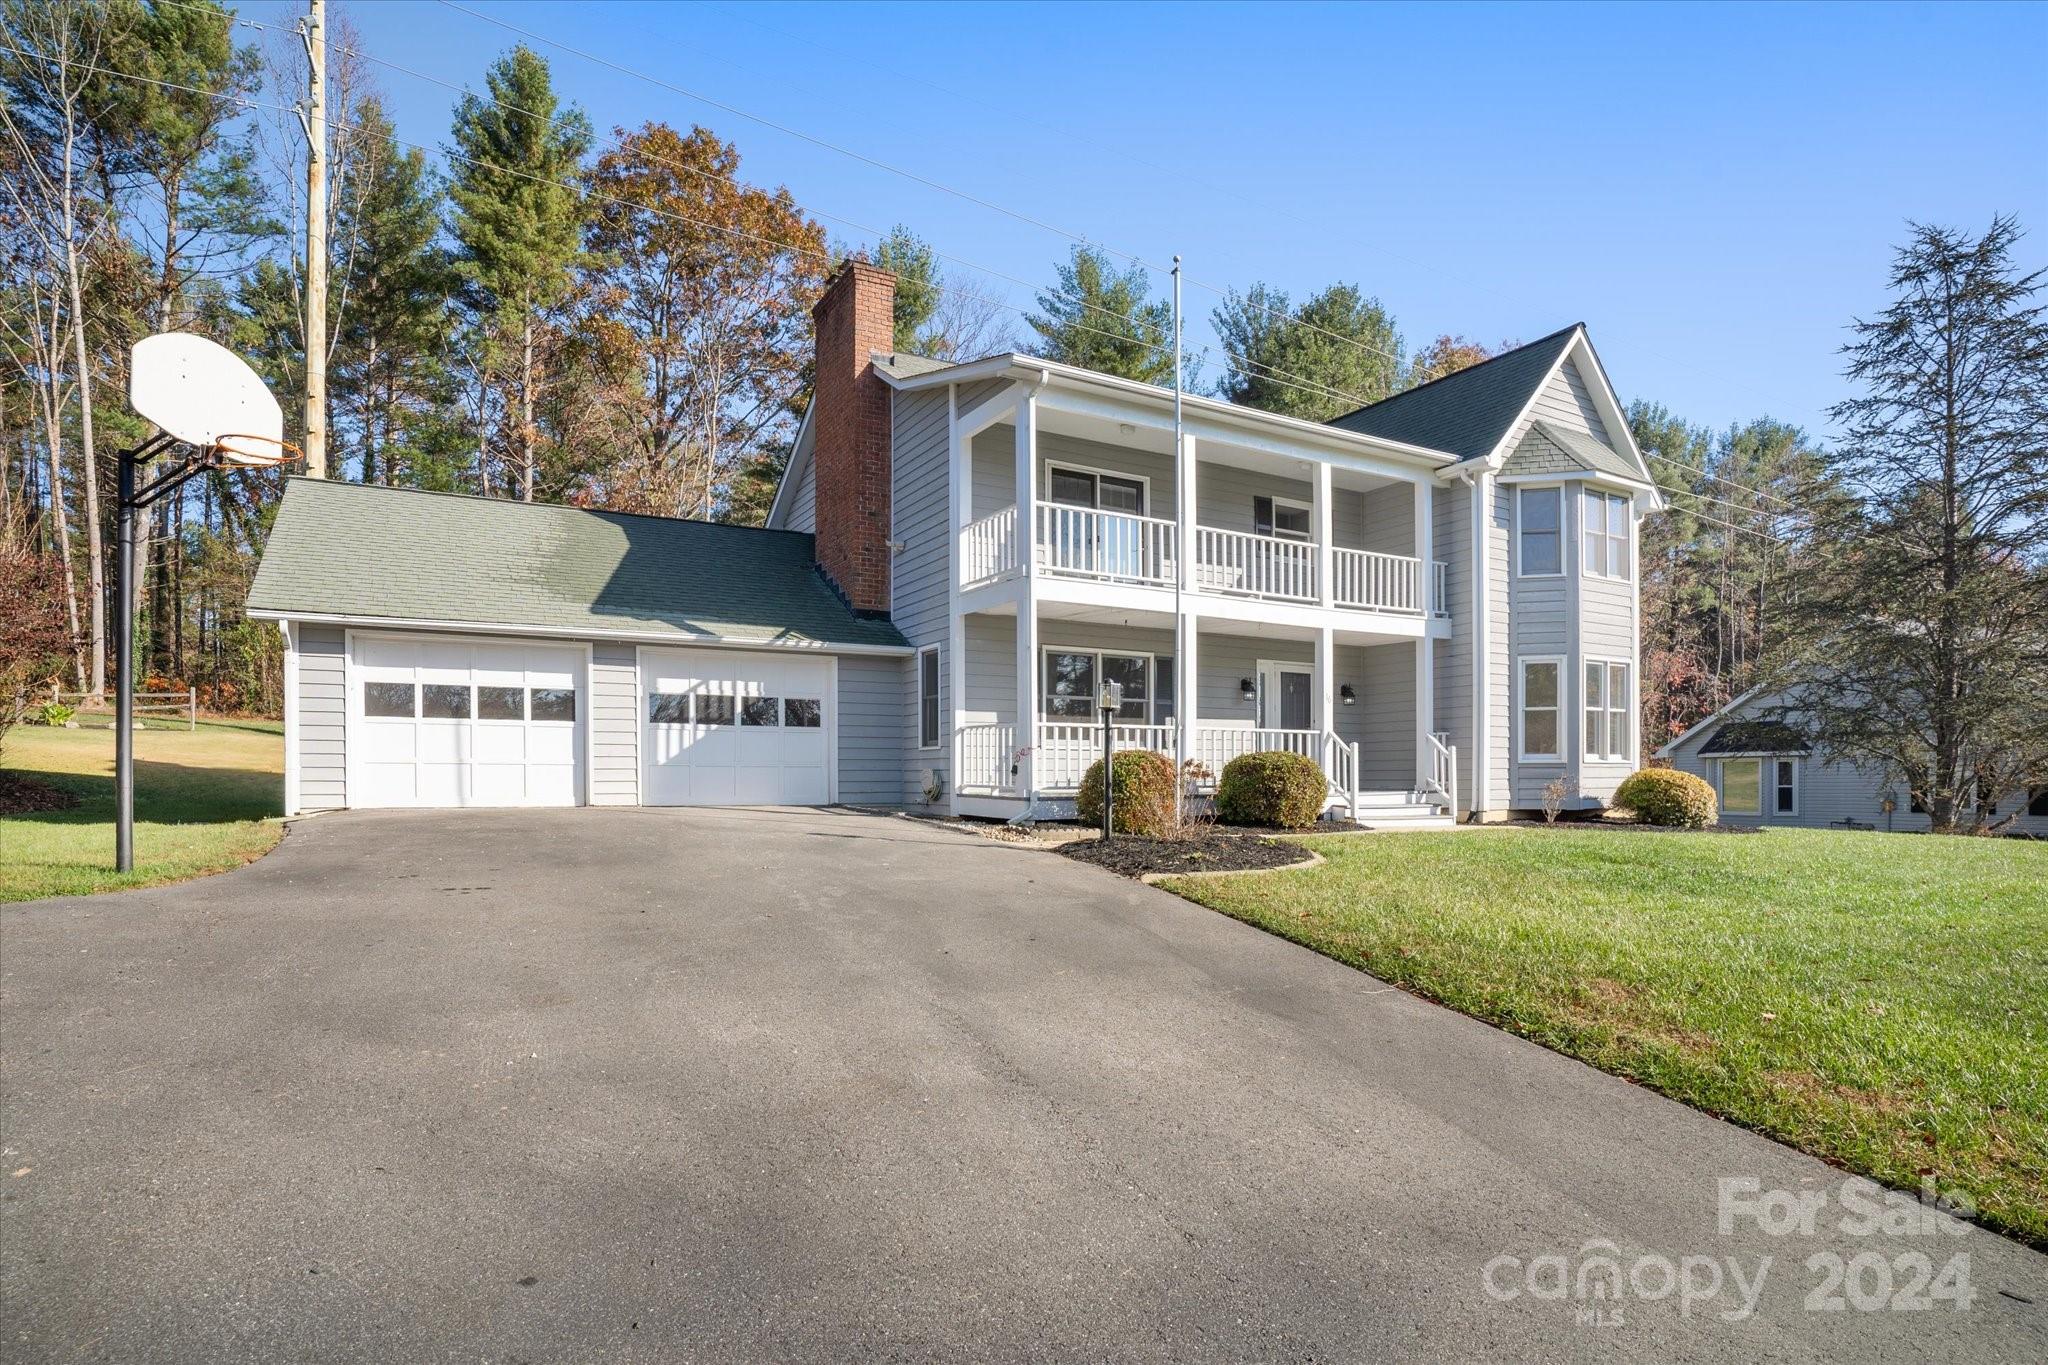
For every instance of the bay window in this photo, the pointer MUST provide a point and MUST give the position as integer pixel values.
(1606, 527)
(1539, 525)
(1607, 711)
(1542, 710)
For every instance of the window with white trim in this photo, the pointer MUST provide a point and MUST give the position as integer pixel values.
(928, 697)
(1283, 517)
(1607, 711)
(1606, 534)
(1542, 710)
(1539, 530)
(1073, 675)
(1785, 787)
(1742, 786)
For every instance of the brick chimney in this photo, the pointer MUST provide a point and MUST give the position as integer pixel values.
(850, 428)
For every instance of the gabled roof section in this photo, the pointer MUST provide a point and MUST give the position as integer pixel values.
(394, 554)
(1546, 449)
(1470, 412)
(1756, 737)
(899, 366)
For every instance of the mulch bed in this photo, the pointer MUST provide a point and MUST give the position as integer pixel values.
(1206, 850)
(24, 795)
(1635, 827)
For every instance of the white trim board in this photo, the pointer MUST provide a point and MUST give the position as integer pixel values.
(639, 637)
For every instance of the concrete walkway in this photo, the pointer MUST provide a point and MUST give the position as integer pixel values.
(672, 1085)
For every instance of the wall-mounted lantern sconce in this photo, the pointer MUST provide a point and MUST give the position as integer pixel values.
(1246, 690)
(1350, 697)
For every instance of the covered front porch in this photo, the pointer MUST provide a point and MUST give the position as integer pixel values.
(1357, 703)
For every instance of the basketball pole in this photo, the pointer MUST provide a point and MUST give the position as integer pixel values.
(314, 122)
(134, 501)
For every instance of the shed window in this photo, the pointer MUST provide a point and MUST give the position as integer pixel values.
(1742, 781)
(1541, 530)
(2037, 801)
(1785, 799)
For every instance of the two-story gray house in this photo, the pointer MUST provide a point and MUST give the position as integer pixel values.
(1434, 597)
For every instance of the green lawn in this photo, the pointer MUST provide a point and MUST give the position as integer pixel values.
(205, 801)
(1877, 1000)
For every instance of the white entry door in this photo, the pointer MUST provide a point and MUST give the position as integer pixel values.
(464, 723)
(729, 728)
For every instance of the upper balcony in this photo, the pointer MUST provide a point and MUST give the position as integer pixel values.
(1072, 497)
(1124, 547)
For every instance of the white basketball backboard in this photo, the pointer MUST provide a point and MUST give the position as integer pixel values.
(199, 391)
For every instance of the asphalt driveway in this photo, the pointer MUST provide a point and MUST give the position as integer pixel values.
(672, 1085)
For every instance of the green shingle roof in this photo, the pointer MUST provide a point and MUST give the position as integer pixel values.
(344, 549)
(1466, 413)
(1546, 449)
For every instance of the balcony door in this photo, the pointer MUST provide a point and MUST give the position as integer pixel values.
(1106, 545)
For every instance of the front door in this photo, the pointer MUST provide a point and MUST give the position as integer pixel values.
(1284, 698)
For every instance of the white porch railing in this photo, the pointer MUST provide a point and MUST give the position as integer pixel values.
(1439, 589)
(1216, 745)
(987, 752)
(1109, 545)
(1065, 749)
(1378, 582)
(1254, 565)
(1442, 778)
(988, 547)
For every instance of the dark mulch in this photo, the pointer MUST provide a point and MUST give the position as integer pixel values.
(1206, 850)
(24, 795)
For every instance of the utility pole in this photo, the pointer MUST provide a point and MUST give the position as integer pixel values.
(314, 32)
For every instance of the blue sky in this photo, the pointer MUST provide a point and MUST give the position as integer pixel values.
(1715, 189)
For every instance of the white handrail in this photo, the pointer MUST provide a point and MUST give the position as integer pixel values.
(1247, 565)
(988, 547)
(1065, 749)
(987, 754)
(1442, 777)
(1380, 582)
(1111, 545)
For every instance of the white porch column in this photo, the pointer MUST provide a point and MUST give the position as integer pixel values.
(1483, 719)
(1326, 679)
(1184, 481)
(1027, 597)
(1425, 544)
(1425, 710)
(1325, 560)
(1027, 482)
(960, 493)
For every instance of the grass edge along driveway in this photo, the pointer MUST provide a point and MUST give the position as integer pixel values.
(206, 800)
(1879, 1001)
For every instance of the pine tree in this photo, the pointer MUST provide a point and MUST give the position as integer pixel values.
(1098, 318)
(1339, 352)
(1923, 648)
(390, 375)
(519, 221)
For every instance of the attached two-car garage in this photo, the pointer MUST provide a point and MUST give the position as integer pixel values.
(439, 722)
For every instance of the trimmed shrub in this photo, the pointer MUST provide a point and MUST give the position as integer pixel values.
(1144, 791)
(1278, 788)
(1666, 796)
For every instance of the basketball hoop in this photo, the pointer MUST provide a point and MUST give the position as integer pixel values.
(245, 450)
(211, 412)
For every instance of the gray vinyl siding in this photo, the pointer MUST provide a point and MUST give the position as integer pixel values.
(993, 469)
(1223, 495)
(1386, 520)
(1828, 793)
(1155, 469)
(972, 396)
(1563, 401)
(992, 670)
(1382, 723)
(1453, 668)
(872, 739)
(614, 725)
(802, 513)
(321, 732)
(920, 593)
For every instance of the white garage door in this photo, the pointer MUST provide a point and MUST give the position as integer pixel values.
(456, 723)
(725, 728)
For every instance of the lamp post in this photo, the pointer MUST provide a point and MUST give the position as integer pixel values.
(1110, 700)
